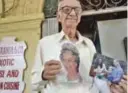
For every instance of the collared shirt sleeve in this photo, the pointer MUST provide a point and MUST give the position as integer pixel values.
(37, 82)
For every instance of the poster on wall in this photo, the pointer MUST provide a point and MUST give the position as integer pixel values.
(111, 34)
(12, 65)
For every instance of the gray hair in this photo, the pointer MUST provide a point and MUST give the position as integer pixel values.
(70, 47)
(59, 3)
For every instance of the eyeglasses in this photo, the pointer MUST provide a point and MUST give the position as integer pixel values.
(68, 9)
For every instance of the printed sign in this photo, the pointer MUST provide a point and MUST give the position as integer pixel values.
(12, 65)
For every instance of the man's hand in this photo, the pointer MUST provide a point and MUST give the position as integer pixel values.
(51, 68)
(123, 83)
(121, 87)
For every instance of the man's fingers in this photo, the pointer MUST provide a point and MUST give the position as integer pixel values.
(51, 77)
(119, 89)
(113, 89)
(51, 68)
(48, 74)
(53, 72)
(123, 81)
(125, 77)
(123, 85)
(52, 62)
(54, 67)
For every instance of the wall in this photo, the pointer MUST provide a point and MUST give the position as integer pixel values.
(22, 7)
(28, 30)
(112, 33)
(23, 21)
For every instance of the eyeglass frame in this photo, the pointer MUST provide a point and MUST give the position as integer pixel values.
(71, 10)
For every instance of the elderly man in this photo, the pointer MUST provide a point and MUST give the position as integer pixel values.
(47, 62)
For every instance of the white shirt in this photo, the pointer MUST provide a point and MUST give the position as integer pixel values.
(49, 48)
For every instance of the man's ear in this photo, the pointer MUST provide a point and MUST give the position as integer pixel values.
(79, 19)
(58, 16)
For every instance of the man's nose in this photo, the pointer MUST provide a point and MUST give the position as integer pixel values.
(73, 12)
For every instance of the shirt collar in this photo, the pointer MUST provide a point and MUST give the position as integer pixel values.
(63, 37)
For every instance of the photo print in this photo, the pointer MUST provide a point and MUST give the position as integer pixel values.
(69, 57)
(109, 69)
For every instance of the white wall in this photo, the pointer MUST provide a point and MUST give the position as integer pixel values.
(111, 34)
(50, 26)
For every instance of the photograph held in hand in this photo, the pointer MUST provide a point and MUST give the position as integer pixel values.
(108, 72)
(69, 57)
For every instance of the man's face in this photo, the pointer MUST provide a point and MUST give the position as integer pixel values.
(69, 13)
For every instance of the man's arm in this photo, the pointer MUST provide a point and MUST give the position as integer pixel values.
(43, 71)
(37, 82)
